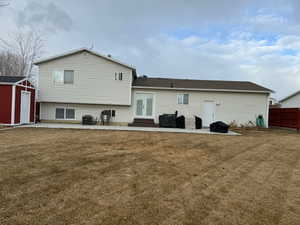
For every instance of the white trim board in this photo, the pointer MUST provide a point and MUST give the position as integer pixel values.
(13, 104)
(29, 108)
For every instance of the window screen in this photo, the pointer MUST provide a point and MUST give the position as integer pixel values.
(60, 113)
(183, 99)
(70, 113)
(58, 77)
(69, 76)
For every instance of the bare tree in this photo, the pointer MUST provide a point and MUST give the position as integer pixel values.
(9, 64)
(26, 46)
(3, 3)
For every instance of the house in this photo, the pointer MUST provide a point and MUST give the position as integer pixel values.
(291, 101)
(83, 82)
(274, 103)
(17, 101)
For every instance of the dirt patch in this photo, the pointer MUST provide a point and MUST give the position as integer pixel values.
(53, 176)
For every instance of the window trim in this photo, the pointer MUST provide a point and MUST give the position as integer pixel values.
(181, 97)
(65, 113)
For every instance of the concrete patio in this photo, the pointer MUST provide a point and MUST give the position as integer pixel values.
(125, 128)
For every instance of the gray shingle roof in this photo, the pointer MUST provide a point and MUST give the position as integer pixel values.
(10, 79)
(199, 84)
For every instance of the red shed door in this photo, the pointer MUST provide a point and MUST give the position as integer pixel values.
(25, 107)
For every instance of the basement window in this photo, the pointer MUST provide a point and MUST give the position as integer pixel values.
(64, 114)
(183, 99)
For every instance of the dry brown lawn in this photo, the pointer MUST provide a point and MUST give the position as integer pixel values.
(52, 176)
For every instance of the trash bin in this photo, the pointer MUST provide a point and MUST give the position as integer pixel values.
(198, 122)
(88, 120)
(219, 127)
(167, 120)
(180, 122)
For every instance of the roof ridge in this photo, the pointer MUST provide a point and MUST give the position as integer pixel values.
(75, 51)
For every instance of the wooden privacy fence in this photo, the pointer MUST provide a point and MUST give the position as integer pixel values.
(285, 117)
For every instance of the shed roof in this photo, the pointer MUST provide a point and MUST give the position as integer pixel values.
(217, 85)
(11, 79)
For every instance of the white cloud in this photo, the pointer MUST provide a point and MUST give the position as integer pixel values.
(208, 39)
(46, 16)
(236, 60)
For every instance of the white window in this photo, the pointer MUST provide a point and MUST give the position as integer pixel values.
(64, 114)
(183, 99)
(63, 77)
(58, 77)
(118, 76)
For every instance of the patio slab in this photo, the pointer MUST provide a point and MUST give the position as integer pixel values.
(126, 128)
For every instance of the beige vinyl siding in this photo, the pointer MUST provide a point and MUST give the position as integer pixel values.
(293, 102)
(123, 113)
(239, 107)
(94, 81)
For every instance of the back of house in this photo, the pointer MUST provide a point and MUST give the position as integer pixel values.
(84, 82)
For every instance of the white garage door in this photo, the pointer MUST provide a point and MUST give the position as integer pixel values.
(25, 107)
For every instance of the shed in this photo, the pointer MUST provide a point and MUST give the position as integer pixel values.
(17, 101)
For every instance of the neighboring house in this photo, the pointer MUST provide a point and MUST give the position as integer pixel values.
(17, 101)
(273, 103)
(291, 101)
(85, 82)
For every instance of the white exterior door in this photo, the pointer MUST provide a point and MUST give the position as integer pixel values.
(143, 105)
(25, 107)
(209, 112)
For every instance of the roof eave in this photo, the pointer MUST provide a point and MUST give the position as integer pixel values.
(38, 62)
(202, 89)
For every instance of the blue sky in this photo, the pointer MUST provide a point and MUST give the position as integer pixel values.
(252, 40)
